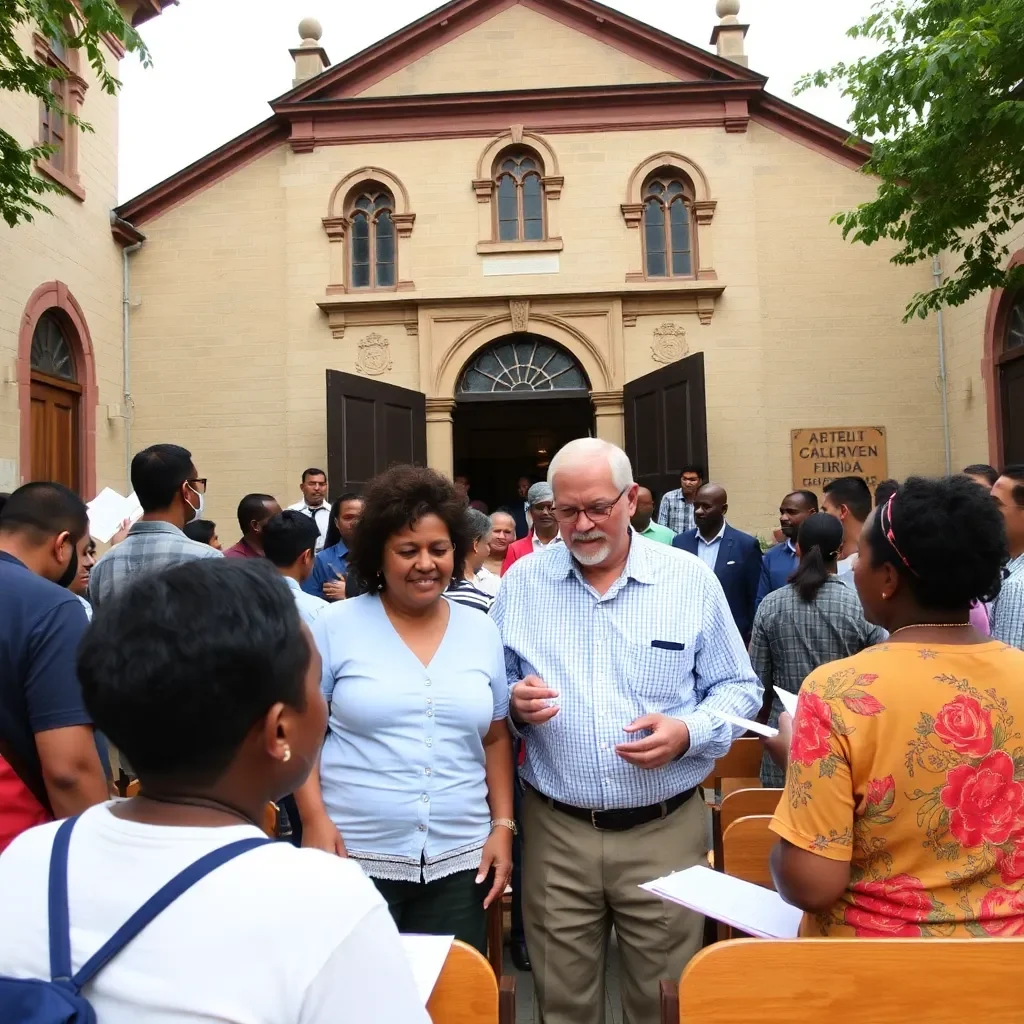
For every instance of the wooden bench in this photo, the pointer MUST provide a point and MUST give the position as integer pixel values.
(859, 981)
(467, 991)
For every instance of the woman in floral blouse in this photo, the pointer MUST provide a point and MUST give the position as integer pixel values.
(903, 813)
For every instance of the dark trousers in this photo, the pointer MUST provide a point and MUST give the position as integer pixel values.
(448, 906)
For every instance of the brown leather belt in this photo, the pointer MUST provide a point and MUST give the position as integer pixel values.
(623, 819)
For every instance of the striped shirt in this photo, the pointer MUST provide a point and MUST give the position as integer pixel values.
(676, 512)
(149, 547)
(660, 640)
(463, 592)
(1007, 612)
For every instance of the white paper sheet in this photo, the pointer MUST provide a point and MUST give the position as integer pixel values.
(745, 723)
(426, 955)
(787, 700)
(751, 908)
(108, 510)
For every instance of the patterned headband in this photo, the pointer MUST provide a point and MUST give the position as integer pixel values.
(885, 518)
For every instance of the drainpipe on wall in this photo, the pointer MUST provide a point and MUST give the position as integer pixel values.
(126, 303)
(937, 277)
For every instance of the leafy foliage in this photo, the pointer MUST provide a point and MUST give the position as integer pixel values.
(943, 106)
(76, 24)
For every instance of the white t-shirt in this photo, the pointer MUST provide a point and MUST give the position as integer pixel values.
(276, 936)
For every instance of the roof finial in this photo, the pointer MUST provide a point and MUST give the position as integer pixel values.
(310, 58)
(728, 33)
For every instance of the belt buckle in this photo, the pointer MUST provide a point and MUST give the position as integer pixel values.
(593, 821)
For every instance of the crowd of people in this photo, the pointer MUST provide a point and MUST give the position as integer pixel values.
(442, 702)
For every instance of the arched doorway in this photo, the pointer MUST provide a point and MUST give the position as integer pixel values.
(517, 401)
(55, 397)
(1010, 370)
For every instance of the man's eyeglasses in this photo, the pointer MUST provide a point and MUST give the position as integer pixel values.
(198, 484)
(596, 513)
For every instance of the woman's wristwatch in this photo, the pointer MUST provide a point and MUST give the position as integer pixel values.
(506, 823)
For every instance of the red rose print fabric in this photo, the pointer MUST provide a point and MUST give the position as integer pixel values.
(908, 763)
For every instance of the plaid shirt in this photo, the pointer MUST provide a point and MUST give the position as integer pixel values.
(1007, 611)
(149, 547)
(793, 637)
(675, 512)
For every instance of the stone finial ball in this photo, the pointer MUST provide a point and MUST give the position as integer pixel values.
(310, 28)
(727, 8)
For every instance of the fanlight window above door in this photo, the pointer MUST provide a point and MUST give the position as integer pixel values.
(51, 353)
(525, 363)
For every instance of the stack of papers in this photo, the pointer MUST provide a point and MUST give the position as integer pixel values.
(108, 510)
(426, 955)
(743, 723)
(743, 905)
(787, 700)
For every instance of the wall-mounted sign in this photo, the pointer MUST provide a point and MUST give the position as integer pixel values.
(820, 454)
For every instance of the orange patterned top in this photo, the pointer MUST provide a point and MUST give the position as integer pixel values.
(908, 761)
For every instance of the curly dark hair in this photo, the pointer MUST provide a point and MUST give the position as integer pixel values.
(399, 497)
(952, 536)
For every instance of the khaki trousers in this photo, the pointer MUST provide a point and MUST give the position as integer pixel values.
(578, 882)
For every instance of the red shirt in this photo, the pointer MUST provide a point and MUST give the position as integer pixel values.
(242, 550)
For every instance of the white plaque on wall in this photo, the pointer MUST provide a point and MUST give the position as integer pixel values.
(502, 266)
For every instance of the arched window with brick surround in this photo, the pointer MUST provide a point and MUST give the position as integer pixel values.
(372, 251)
(669, 235)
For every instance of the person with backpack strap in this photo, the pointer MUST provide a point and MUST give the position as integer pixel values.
(173, 906)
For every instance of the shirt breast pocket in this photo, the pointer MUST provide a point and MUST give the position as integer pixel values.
(660, 673)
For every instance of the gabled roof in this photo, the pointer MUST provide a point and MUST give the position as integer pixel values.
(328, 108)
(445, 23)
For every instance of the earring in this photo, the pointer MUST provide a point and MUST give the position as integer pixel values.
(380, 581)
(287, 754)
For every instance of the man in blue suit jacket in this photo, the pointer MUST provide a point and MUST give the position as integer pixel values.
(734, 556)
(781, 561)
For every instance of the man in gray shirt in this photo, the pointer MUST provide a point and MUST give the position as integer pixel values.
(171, 493)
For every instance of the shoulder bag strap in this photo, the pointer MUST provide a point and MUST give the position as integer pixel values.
(60, 942)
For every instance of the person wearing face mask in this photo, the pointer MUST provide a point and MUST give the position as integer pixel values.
(415, 775)
(49, 765)
(171, 493)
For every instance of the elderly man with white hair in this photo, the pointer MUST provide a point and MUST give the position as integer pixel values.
(616, 650)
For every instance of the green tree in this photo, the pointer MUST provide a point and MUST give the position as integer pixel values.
(943, 106)
(76, 24)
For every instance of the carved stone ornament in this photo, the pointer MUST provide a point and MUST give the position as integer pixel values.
(374, 355)
(519, 314)
(669, 343)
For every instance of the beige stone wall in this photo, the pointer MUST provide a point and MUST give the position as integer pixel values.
(517, 49)
(965, 370)
(232, 348)
(73, 245)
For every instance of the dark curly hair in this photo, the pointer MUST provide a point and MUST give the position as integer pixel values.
(952, 539)
(399, 497)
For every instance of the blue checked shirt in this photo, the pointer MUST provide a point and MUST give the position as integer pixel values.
(598, 651)
(1007, 612)
(675, 512)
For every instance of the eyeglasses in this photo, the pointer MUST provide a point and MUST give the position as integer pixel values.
(198, 484)
(596, 513)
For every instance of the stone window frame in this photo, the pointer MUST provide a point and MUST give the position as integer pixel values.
(339, 220)
(702, 210)
(72, 88)
(485, 189)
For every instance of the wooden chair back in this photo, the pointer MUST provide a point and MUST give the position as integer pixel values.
(743, 761)
(746, 844)
(270, 812)
(742, 803)
(868, 981)
(467, 991)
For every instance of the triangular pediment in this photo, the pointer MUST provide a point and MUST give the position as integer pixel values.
(473, 46)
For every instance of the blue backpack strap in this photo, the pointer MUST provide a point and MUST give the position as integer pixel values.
(60, 942)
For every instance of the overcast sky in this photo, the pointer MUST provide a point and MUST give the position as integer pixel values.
(216, 63)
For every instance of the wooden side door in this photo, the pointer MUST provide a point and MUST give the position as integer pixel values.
(54, 432)
(370, 426)
(1011, 386)
(666, 423)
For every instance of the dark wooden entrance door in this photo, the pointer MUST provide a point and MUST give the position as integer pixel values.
(1011, 386)
(53, 430)
(370, 426)
(666, 423)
